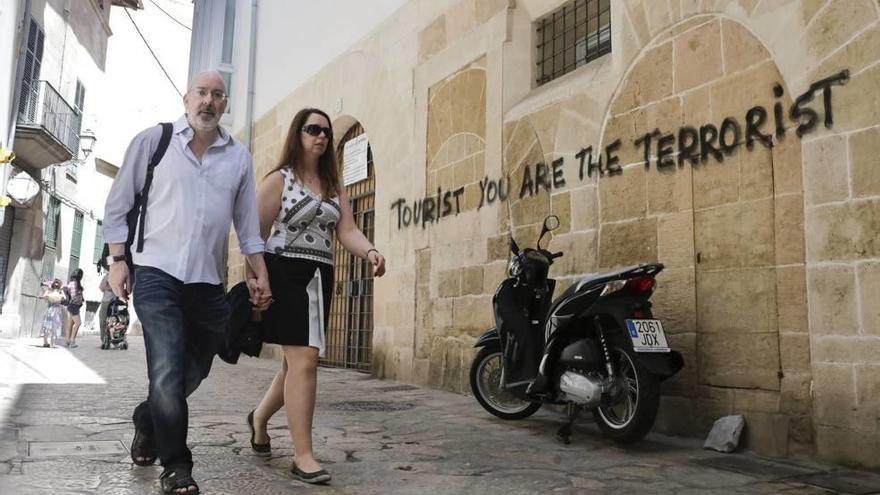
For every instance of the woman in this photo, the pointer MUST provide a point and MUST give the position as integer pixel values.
(75, 292)
(51, 329)
(301, 204)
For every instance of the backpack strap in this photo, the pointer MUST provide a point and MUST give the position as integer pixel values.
(167, 127)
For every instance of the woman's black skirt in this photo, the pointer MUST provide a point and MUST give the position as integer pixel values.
(301, 289)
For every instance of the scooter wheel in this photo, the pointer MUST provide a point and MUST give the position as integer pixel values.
(486, 386)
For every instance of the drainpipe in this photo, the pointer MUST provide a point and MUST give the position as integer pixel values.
(252, 64)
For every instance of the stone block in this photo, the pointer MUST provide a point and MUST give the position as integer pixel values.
(755, 173)
(670, 189)
(711, 403)
(442, 313)
(522, 145)
(836, 24)
(795, 392)
(471, 197)
(472, 315)
(497, 247)
(834, 394)
(825, 172)
(449, 283)
(560, 205)
(650, 80)
(789, 220)
(530, 209)
(446, 178)
(864, 148)
(858, 53)
(626, 243)
(456, 145)
(580, 253)
(493, 274)
(485, 9)
(736, 301)
(696, 107)
(639, 20)
(423, 266)
(684, 383)
(842, 350)
(794, 351)
(715, 183)
(676, 416)
(734, 95)
(847, 446)
(675, 301)
(464, 172)
(452, 366)
(832, 300)
(658, 16)
(868, 388)
(767, 434)
(584, 208)
(698, 56)
(624, 127)
(741, 49)
(844, 231)
(745, 360)
(545, 122)
(675, 240)
(857, 105)
(623, 196)
(472, 280)
(665, 115)
(868, 275)
(735, 235)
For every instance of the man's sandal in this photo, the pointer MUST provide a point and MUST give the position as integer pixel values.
(143, 449)
(178, 480)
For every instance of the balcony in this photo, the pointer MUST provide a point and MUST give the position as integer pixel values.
(48, 127)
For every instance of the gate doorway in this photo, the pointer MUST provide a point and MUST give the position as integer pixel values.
(350, 333)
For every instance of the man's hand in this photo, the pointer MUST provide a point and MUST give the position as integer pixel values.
(119, 280)
(378, 262)
(261, 293)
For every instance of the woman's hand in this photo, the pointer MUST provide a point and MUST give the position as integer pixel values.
(378, 262)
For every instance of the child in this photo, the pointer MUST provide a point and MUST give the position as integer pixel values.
(51, 329)
(114, 327)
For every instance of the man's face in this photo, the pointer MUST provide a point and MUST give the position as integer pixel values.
(205, 102)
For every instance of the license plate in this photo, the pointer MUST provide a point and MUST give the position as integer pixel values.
(647, 335)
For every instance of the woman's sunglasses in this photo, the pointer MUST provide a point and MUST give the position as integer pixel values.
(316, 130)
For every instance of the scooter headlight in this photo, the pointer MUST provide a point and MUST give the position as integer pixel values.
(514, 268)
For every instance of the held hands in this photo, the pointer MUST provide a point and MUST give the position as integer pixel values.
(261, 293)
(378, 262)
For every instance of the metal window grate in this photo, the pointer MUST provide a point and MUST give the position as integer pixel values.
(571, 36)
(350, 333)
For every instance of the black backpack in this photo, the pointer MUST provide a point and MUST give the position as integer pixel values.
(137, 216)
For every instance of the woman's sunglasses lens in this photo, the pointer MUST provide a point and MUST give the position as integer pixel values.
(315, 130)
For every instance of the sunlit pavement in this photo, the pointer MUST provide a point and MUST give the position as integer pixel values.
(66, 430)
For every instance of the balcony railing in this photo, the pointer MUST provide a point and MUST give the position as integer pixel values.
(41, 105)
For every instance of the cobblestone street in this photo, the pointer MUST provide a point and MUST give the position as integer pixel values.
(66, 430)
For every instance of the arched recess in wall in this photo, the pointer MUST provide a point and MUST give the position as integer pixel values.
(350, 332)
(728, 228)
(525, 208)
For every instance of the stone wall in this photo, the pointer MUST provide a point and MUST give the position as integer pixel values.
(770, 247)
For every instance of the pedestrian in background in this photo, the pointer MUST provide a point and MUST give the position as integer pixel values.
(201, 187)
(52, 321)
(74, 304)
(106, 297)
(302, 203)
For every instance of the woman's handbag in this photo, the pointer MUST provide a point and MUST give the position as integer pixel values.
(244, 330)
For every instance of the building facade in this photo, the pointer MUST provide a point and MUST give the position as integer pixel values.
(735, 141)
(53, 227)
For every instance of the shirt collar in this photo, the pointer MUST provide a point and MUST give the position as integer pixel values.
(181, 126)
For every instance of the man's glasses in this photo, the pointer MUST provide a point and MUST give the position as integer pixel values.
(215, 95)
(316, 130)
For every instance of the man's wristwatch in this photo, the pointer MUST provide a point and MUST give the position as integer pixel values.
(113, 258)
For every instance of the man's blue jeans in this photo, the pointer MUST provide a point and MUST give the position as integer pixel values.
(184, 326)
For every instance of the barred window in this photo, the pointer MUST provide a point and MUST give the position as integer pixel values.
(571, 36)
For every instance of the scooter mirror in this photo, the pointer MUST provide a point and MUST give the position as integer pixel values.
(513, 247)
(550, 223)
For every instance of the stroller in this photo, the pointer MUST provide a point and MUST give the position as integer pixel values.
(114, 332)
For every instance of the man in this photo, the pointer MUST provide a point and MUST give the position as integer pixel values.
(203, 185)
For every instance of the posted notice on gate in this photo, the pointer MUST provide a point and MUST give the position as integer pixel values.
(354, 160)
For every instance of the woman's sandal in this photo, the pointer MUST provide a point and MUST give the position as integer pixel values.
(178, 478)
(143, 450)
(316, 477)
(261, 449)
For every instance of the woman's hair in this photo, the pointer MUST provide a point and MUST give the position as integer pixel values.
(292, 154)
(77, 276)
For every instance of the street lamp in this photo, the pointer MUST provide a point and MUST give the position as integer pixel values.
(87, 142)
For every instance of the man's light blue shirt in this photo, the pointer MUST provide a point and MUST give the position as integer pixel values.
(192, 204)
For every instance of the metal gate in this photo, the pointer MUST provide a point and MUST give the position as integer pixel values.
(350, 333)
